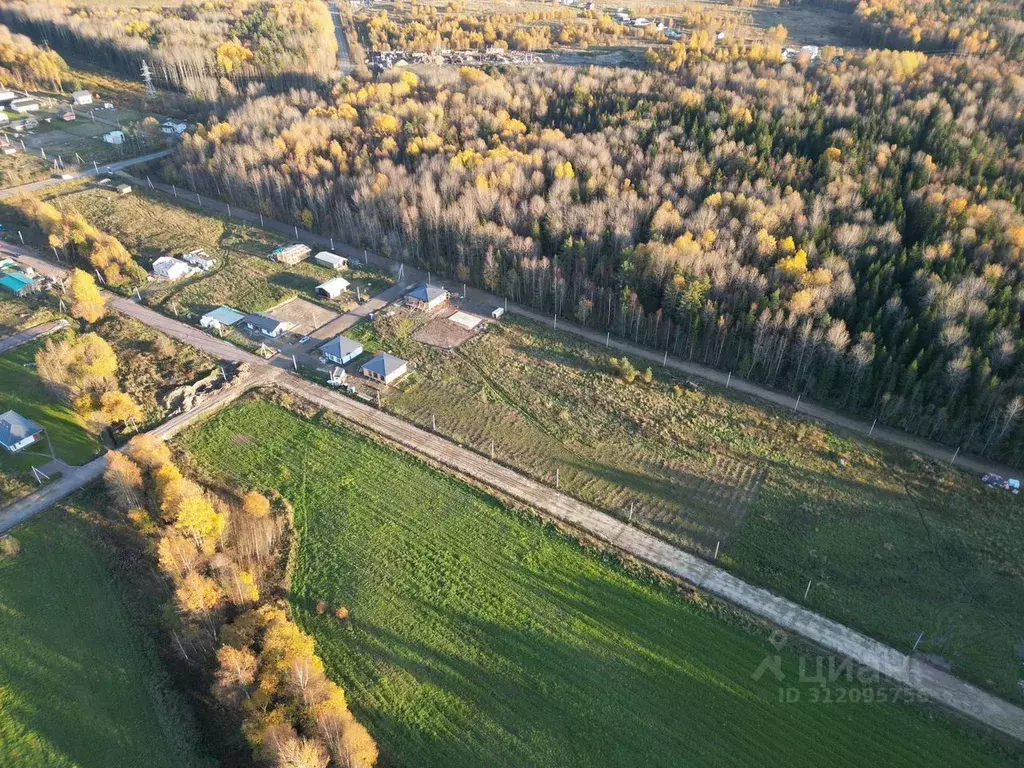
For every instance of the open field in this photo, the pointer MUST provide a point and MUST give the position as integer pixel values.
(17, 314)
(245, 278)
(78, 686)
(22, 391)
(480, 636)
(894, 545)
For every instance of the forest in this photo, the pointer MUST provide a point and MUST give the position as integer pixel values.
(847, 230)
(209, 50)
(23, 64)
(964, 26)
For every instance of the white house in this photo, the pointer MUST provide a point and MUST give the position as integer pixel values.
(333, 288)
(81, 98)
(266, 325)
(221, 317)
(427, 296)
(17, 432)
(124, 189)
(385, 368)
(331, 261)
(171, 268)
(341, 350)
(6, 95)
(199, 259)
(173, 127)
(114, 137)
(25, 105)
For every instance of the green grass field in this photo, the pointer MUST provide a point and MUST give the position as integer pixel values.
(78, 686)
(893, 544)
(22, 391)
(151, 225)
(481, 637)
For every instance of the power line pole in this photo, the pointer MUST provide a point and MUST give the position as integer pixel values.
(147, 78)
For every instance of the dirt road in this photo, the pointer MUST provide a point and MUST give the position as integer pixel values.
(16, 340)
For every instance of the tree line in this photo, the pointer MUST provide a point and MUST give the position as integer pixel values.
(23, 64)
(221, 553)
(208, 49)
(846, 230)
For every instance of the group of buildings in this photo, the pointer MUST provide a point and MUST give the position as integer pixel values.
(16, 280)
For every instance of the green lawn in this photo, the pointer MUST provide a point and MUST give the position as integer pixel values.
(22, 391)
(894, 545)
(481, 637)
(78, 687)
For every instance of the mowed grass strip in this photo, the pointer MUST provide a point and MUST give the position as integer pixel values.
(76, 685)
(480, 636)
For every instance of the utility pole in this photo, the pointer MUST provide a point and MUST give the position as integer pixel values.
(717, 545)
(955, 454)
(492, 449)
(631, 511)
(147, 78)
(797, 405)
(557, 479)
(872, 430)
(807, 591)
(607, 338)
(728, 380)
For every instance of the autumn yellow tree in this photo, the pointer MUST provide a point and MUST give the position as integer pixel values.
(84, 298)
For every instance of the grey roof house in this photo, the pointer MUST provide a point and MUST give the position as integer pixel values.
(427, 296)
(268, 326)
(341, 350)
(17, 432)
(385, 368)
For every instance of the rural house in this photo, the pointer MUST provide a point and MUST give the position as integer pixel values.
(17, 432)
(266, 325)
(331, 260)
(114, 137)
(291, 254)
(427, 296)
(385, 368)
(171, 268)
(221, 317)
(341, 350)
(7, 96)
(172, 127)
(81, 98)
(199, 259)
(25, 105)
(333, 288)
(18, 283)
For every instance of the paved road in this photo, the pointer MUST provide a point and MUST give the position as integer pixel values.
(412, 275)
(102, 170)
(16, 340)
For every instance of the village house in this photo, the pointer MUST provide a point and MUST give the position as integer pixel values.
(333, 288)
(81, 98)
(341, 350)
(427, 296)
(171, 268)
(266, 325)
(385, 368)
(331, 261)
(17, 433)
(199, 259)
(114, 137)
(220, 318)
(25, 104)
(18, 283)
